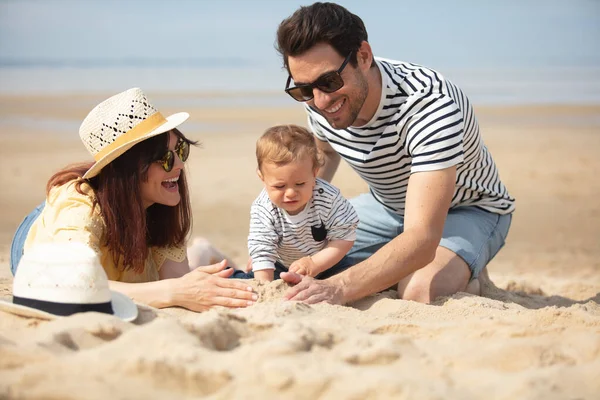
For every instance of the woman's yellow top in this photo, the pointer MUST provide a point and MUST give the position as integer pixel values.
(68, 216)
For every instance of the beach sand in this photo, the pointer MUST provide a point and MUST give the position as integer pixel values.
(535, 333)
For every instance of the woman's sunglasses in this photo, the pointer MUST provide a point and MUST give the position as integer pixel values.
(168, 160)
(328, 83)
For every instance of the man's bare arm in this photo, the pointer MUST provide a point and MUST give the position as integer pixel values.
(331, 160)
(427, 203)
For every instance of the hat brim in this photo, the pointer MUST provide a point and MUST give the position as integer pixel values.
(123, 308)
(173, 121)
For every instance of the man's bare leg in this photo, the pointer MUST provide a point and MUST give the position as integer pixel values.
(446, 275)
(474, 286)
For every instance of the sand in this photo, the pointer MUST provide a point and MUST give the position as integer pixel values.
(534, 334)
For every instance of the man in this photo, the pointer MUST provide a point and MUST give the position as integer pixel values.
(437, 211)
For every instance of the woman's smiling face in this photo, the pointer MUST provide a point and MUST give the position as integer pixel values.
(160, 186)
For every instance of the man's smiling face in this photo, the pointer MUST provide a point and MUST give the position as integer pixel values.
(342, 107)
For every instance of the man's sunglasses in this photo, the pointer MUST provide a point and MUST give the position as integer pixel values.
(328, 83)
(168, 160)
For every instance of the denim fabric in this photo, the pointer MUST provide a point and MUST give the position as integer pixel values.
(472, 233)
(18, 242)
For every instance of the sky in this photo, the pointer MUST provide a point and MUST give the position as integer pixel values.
(451, 33)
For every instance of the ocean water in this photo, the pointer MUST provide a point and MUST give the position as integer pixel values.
(254, 85)
(238, 87)
(501, 52)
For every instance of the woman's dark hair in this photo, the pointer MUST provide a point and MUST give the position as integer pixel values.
(130, 228)
(320, 23)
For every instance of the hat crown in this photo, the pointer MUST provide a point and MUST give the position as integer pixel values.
(62, 272)
(113, 118)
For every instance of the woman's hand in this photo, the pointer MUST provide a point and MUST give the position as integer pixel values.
(209, 286)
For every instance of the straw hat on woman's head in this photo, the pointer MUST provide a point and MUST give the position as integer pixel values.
(118, 123)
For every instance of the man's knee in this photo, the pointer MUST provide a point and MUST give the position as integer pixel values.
(427, 289)
(418, 288)
(445, 276)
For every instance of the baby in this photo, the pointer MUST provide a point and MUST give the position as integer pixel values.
(298, 222)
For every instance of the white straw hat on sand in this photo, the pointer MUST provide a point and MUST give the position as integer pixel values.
(118, 123)
(60, 279)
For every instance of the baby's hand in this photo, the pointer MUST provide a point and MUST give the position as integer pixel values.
(303, 266)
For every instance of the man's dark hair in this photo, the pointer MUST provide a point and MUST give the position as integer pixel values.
(327, 23)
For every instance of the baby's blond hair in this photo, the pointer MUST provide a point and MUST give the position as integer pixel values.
(283, 144)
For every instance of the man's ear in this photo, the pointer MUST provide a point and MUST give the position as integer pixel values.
(260, 176)
(316, 171)
(364, 56)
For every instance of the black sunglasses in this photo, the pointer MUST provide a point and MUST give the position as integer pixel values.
(168, 160)
(328, 82)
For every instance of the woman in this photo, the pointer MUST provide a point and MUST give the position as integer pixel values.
(132, 207)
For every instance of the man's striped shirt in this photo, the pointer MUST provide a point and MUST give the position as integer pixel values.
(423, 123)
(277, 236)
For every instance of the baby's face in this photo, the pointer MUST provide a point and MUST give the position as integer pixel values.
(289, 186)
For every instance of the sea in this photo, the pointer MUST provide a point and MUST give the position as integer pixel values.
(241, 82)
(237, 85)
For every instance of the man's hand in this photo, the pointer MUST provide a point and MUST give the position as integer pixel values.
(311, 291)
(304, 266)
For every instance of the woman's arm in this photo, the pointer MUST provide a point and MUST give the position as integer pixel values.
(197, 290)
(158, 294)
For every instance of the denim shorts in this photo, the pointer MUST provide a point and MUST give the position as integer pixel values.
(18, 242)
(474, 234)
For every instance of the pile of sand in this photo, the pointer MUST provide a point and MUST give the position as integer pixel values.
(512, 345)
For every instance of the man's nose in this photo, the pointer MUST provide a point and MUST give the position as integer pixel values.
(321, 99)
